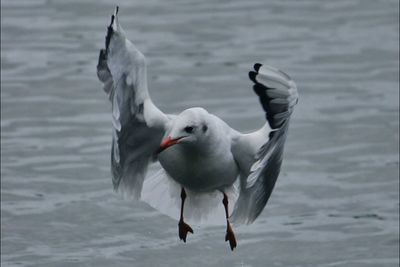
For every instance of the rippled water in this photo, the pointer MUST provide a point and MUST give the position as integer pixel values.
(336, 202)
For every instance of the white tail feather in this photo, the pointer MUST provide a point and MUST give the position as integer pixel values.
(163, 193)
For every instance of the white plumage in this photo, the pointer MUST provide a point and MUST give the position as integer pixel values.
(201, 159)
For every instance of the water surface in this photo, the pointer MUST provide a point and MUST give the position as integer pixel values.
(336, 202)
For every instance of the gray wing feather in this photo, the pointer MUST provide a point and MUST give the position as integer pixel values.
(138, 124)
(278, 96)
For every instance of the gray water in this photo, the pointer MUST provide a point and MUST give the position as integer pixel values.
(336, 202)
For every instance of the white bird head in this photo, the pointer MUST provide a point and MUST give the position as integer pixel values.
(190, 128)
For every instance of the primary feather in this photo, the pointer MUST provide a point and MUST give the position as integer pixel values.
(138, 124)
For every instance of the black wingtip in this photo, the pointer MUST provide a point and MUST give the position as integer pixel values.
(259, 89)
(102, 56)
(110, 29)
(112, 20)
(109, 33)
(257, 66)
(252, 76)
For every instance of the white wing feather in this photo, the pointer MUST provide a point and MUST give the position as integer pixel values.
(138, 125)
(260, 154)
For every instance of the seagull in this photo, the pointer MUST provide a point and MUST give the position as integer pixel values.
(197, 150)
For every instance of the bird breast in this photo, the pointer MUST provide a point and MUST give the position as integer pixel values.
(198, 171)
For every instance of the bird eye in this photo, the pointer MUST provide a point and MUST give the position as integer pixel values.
(188, 129)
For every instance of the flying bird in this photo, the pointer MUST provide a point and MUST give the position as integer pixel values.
(196, 150)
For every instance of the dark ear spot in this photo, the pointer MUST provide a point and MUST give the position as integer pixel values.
(189, 129)
(204, 128)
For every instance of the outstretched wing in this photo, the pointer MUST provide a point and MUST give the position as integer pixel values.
(259, 154)
(138, 124)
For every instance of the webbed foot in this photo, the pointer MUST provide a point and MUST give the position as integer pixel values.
(184, 228)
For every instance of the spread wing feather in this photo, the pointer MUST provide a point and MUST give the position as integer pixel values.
(260, 154)
(138, 125)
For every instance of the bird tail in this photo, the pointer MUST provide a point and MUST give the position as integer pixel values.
(162, 193)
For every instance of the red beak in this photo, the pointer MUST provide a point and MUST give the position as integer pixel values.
(167, 142)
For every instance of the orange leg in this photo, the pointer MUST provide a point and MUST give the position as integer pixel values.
(184, 228)
(229, 232)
